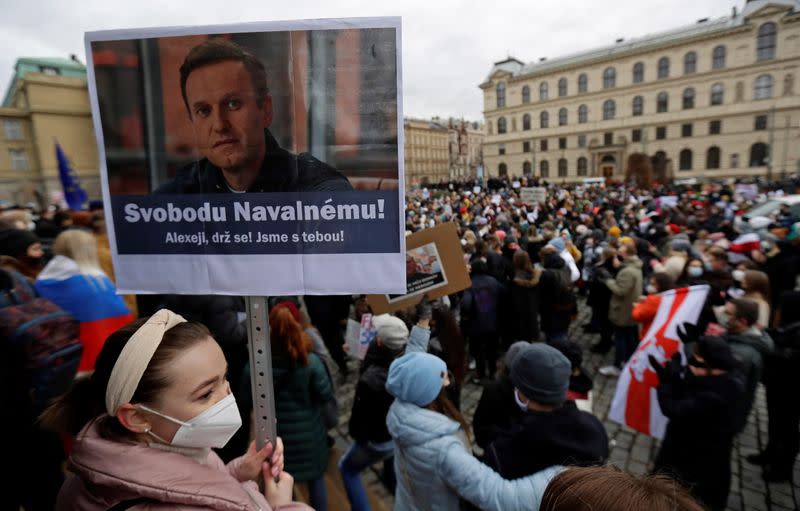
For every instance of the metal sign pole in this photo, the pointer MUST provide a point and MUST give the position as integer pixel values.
(261, 370)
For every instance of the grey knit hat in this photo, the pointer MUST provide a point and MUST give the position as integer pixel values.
(541, 373)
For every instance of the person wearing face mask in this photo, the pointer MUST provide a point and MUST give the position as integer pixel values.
(701, 404)
(433, 462)
(23, 250)
(647, 306)
(552, 431)
(146, 421)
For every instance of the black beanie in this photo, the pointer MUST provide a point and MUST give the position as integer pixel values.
(541, 373)
(15, 242)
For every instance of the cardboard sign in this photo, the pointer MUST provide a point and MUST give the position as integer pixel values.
(533, 194)
(359, 336)
(301, 223)
(434, 266)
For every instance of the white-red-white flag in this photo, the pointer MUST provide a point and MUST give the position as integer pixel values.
(635, 402)
(746, 243)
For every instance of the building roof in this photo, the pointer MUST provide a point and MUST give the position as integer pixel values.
(25, 65)
(650, 41)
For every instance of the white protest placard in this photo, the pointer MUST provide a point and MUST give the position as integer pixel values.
(515, 184)
(533, 194)
(303, 224)
(476, 189)
(496, 199)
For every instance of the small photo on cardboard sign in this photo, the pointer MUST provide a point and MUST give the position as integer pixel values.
(434, 266)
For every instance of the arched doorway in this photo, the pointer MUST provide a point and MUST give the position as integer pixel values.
(659, 161)
(608, 166)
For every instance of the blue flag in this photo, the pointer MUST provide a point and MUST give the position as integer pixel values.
(73, 193)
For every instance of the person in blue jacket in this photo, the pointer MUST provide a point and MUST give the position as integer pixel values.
(433, 462)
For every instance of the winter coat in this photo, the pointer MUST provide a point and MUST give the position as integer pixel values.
(645, 312)
(557, 310)
(480, 305)
(523, 316)
(699, 438)
(104, 473)
(564, 436)
(625, 289)
(750, 348)
(497, 411)
(299, 394)
(434, 466)
(371, 402)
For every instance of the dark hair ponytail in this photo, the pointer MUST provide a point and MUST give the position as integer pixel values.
(86, 399)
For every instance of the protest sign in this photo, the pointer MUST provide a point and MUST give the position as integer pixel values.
(185, 117)
(434, 266)
(533, 195)
(496, 199)
(476, 189)
(515, 184)
(747, 191)
(359, 336)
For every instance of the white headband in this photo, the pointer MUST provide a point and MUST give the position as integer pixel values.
(135, 357)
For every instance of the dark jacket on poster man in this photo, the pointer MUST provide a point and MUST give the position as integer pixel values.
(496, 413)
(564, 436)
(697, 445)
(523, 317)
(281, 171)
(371, 402)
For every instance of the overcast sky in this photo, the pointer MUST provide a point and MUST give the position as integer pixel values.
(448, 46)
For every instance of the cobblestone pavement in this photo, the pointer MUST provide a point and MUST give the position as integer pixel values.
(630, 450)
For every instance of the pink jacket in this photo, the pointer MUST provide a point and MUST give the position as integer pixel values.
(105, 472)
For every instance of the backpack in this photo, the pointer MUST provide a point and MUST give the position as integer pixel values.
(40, 338)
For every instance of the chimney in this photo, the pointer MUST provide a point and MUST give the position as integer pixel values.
(734, 11)
(542, 59)
(620, 40)
(702, 20)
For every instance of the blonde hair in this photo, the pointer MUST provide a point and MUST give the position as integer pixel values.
(81, 247)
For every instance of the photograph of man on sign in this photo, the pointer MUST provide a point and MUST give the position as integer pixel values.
(424, 272)
(225, 92)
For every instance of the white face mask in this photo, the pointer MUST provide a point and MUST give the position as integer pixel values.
(211, 428)
(522, 405)
(651, 289)
(738, 275)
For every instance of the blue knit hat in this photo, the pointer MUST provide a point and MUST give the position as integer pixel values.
(558, 243)
(416, 378)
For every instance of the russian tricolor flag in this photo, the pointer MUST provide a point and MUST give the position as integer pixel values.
(90, 298)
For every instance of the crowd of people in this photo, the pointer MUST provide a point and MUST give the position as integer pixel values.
(170, 392)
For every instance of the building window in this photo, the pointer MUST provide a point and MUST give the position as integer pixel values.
(686, 159)
(526, 122)
(662, 102)
(686, 130)
(608, 139)
(638, 105)
(543, 91)
(526, 147)
(501, 125)
(583, 83)
(717, 94)
(544, 168)
(712, 158)
(562, 167)
(544, 120)
(581, 140)
(638, 72)
(735, 161)
(581, 166)
(526, 168)
(715, 127)
(690, 63)
(609, 110)
(761, 122)
(718, 60)
(758, 154)
(766, 42)
(502, 169)
(562, 117)
(583, 114)
(661, 132)
(13, 129)
(526, 95)
(543, 144)
(19, 159)
(562, 143)
(663, 68)
(688, 98)
(501, 149)
(762, 88)
(636, 135)
(501, 95)
(609, 78)
(562, 87)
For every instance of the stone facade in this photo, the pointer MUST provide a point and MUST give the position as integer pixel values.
(705, 101)
(426, 145)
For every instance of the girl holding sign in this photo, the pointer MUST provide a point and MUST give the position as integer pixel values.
(156, 404)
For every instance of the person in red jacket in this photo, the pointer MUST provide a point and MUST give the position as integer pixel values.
(644, 311)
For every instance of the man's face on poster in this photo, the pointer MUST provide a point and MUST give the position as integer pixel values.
(411, 266)
(226, 117)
